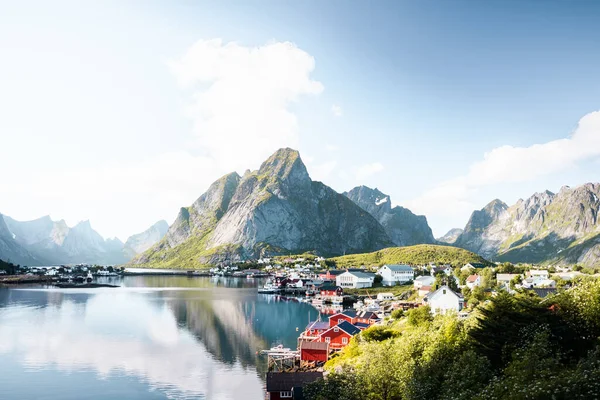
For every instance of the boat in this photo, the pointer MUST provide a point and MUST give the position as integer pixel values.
(89, 278)
(269, 288)
(84, 285)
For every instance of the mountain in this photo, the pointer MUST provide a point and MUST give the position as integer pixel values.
(277, 209)
(12, 251)
(402, 226)
(421, 254)
(53, 242)
(139, 243)
(451, 236)
(560, 228)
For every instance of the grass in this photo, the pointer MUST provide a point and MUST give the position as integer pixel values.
(396, 290)
(421, 254)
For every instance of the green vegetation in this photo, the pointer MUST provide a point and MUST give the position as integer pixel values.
(413, 255)
(513, 347)
(372, 291)
(8, 267)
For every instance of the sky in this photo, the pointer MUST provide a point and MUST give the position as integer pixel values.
(121, 112)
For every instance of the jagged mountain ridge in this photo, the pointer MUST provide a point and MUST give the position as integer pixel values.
(139, 243)
(46, 242)
(547, 227)
(451, 236)
(402, 226)
(275, 210)
(13, 252)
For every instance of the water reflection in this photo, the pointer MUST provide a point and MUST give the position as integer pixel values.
(173, 337)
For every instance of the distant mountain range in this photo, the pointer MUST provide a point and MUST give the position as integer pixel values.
(46, 242)
(557, 228)
(278, 210)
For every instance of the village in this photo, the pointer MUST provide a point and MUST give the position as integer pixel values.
(351, 300)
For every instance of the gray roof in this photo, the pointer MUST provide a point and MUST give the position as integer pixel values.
(399, 267)
(362, 274)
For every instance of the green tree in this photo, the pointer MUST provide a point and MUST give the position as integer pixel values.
(419, 316)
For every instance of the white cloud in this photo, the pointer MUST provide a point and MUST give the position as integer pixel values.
(240, 97)
(509, 164)
(239, 100)
(337, 110)
(367, 170)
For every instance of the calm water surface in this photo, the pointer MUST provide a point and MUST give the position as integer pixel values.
(155, 337)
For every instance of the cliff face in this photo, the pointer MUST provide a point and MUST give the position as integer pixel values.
(275, 210)
(547, 227)
(12, 251)
(141, 242)
(402, 226)
(451, 236)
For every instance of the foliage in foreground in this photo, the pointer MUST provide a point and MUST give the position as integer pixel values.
(515, 347)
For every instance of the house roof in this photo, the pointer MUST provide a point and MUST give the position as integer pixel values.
(306, 345)
(348, 328)
(476, 265)
(428, 288)
(335, 271)
(424, 278)
(347, 313)
(433, 294)
(505, 277)
(367, 315)
(362, 325)
(472, 278)
(543, 292)
(358, 274)
(285, 381)
(317, 325)
(329, 287)
(399, 267)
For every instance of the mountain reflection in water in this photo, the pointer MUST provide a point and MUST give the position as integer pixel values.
(154, 337)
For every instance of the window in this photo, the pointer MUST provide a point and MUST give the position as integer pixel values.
(444, 291)
(327, 339)
(340, 320)
(336, 329)
(344, 340)
(285, 395)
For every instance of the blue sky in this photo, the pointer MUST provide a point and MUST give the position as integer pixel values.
(111, 112)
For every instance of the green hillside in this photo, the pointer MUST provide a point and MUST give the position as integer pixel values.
(413, 255)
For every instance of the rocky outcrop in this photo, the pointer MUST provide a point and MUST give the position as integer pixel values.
(402, 226)
(547, 227)
(139, 243)
(277, 209)
(451, 236)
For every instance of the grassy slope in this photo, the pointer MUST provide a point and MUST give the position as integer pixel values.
(413, 255)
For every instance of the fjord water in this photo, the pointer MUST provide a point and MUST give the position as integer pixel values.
(155, 337)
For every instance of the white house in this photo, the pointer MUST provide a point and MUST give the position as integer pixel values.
(538, 282)
(446, 269)
(444, 300)
(504, 279)
(395, 273)
(538, 273)
(473, 281)
(424, 280)
(385, 296)
(355, 279)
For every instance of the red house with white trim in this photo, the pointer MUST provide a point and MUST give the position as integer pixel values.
(338, 336)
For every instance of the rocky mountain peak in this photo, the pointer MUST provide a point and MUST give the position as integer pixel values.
(495, 207)
(285, 164)
(401, 225)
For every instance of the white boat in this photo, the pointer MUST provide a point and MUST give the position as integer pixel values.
(269, 288)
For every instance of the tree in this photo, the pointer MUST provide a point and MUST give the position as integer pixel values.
(377, 281)
(419, 316)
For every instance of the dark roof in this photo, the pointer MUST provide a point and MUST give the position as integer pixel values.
(335, 271)
(362, 325)
(477, 265)
(329, 287)
(348, 328)
(314, 345)
(367, 314)
(318, 325)
(543, 292)
(285, 381)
